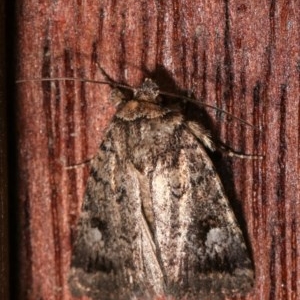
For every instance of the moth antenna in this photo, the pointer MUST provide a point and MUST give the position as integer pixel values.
(114, 84)
(194, 101)
(111, 83)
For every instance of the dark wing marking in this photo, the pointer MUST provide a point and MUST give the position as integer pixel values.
(156, 220)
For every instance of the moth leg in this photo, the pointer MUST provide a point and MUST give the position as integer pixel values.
(79, 165)
(119, 92)
(106, 76)
(231, 153)
(205, 137)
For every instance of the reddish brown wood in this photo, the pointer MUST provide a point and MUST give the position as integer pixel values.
(4, 238)
(242, 56)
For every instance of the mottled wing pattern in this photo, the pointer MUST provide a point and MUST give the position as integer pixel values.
(155, 218)
(202, 249)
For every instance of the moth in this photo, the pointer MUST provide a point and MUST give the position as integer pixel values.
(155, 220)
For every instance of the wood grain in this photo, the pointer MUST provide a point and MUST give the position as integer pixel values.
(4, 216)
(238, 55)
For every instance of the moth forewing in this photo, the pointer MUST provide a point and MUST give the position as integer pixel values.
(155, 218)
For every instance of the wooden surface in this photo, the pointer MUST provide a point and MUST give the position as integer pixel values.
(241, 56)
(4, 239)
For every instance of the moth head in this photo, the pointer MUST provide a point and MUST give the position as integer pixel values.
(148, 91)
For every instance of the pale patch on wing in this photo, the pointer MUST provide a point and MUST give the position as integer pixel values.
(172, 204)
(149, 267)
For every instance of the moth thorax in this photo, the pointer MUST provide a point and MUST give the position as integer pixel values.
(147, 92)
